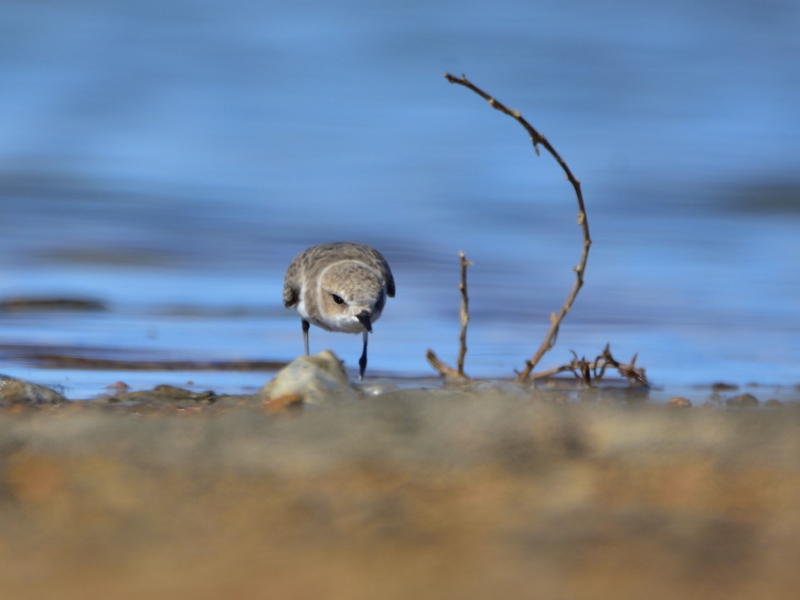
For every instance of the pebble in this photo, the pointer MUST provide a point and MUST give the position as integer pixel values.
(119, 386)
(320, 379)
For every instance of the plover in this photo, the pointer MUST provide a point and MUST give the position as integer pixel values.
(339, 287)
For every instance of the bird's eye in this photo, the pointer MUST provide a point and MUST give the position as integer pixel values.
(337, 299)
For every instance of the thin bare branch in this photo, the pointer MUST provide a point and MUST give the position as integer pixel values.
(462, 353)
(550, 372)
(537, 138)
(444, 369)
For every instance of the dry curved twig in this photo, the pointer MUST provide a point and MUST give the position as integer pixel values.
(537, 138)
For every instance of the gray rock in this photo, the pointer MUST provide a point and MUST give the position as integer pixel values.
(17, 391)
(320, 379)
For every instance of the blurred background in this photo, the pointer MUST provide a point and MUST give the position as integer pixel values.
(169, 159)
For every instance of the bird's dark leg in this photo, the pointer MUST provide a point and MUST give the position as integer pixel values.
(362, 362)
(305, 334)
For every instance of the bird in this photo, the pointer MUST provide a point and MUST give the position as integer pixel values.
(340, 286)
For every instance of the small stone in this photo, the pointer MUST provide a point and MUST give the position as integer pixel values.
(319, 379)
(678, 402)
(118, 386)
(18, 391)
(742, 401)
(773, 403)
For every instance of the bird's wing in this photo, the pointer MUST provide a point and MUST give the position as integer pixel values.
(291, 288)
(389, 283)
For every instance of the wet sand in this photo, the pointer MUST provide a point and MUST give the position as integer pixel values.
(434, 494)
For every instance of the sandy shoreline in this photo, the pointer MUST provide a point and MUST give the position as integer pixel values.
(428, 494)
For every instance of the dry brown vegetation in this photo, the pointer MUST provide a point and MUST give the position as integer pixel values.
(586, 372)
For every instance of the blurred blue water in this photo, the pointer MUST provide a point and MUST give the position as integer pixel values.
(163, 154)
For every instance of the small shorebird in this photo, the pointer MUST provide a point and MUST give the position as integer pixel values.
(339, 287)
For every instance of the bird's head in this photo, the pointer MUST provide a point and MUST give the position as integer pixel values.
(351, 296)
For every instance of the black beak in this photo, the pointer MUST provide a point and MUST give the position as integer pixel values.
(363, 316)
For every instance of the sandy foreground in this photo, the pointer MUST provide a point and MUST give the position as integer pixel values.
(411, 494)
